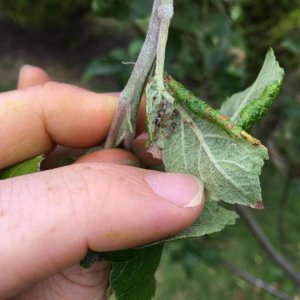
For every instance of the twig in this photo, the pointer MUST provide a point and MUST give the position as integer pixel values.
(123, 126)
(281, 261)
(282, 210)
(255, 281)
(165, 15)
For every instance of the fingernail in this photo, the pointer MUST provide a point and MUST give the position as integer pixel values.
(23, 70)
(142, 137)
(181, 189)
(25, 67)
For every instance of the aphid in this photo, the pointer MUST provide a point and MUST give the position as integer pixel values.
(202, 109)
(158, 121)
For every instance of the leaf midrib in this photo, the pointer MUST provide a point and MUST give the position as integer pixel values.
(205, 147)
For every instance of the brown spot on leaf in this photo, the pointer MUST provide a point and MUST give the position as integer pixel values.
(230, 126)
(259, 205)
(222, 118)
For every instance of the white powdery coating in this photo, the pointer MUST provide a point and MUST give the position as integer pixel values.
(165, 11)
(229, 168)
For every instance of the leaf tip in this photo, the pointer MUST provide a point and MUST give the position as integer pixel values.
(258, 205)
(155, 151)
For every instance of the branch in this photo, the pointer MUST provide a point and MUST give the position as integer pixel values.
(255, 281)
(165, 15)
(282, 208)
(123, 126)
(265, 243)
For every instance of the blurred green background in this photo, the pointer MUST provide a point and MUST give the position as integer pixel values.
(217, 48)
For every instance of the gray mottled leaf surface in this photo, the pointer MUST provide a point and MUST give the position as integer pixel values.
(213, 218)
(230, 168)
(270, 73)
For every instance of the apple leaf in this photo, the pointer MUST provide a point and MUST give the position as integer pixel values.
(26, 167)
(247, 107)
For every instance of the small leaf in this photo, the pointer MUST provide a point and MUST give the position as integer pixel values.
(23, 168)
(264, 90)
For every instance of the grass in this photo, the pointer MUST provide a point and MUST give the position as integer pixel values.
(207, 279)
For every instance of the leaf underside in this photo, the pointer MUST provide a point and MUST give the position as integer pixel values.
(229, 168)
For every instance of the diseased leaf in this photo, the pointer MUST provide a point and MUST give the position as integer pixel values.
(213, 218)
(23, 168)
(249, 106)
(133, 278)
(229, 168)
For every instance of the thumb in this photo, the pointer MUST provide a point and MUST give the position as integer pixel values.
(50, 219)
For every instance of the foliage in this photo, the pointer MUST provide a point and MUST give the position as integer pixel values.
(27, 167)
(46, 13)
(211, 44)
(201, 35)
(200, 147)
(260, 32)
(119, 62)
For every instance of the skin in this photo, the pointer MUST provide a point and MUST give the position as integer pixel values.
(49, 220)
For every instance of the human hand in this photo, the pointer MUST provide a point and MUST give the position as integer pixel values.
(50, 219)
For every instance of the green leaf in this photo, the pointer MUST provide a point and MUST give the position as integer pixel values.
(264, 89)
(229, 167)
(132, 274)
(214, 218)
(23, 168)
(133, 278)
(102, 67)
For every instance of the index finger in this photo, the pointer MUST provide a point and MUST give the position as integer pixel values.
(34, 120)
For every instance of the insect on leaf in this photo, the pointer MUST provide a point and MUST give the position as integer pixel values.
(230, 168)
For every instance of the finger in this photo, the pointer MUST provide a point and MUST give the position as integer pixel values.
(141, 123)
(77, 282)
(74, 283)
(139, 149)
(117, 156)
(30, 76)
(50, 219)
(36, 119)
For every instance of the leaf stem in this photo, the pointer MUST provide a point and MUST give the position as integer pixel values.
(123, 126)
(255, 281)
(165, 15)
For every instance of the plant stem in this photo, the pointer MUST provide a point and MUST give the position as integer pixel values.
(282, 210)
(255, 281)
(123, 126)
(165, 15)
(281, 261)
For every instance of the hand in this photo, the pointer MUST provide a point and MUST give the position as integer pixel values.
(50, 219)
